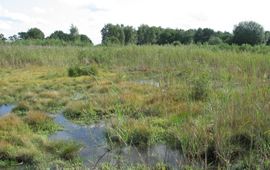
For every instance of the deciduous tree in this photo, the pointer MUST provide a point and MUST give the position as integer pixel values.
(248, 32)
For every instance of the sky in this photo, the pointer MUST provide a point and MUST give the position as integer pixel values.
(91, 15)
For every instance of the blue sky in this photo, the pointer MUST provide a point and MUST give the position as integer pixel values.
(91, 15)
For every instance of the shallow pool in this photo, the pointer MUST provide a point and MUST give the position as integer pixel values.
(96, 150)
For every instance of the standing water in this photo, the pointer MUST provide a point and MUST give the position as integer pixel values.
(92, 137)
(5, 109)
(95, 150)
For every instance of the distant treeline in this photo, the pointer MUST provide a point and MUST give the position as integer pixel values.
(247, 32)
(244, 33)
(35, 36)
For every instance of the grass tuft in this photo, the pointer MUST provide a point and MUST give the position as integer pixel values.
(21, 108)
(65, 150)
(40, 122)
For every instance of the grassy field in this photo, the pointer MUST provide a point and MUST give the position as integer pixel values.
(211, 103)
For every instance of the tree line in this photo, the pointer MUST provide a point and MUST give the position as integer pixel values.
(247, 32)
(36, 34)
(244, 33)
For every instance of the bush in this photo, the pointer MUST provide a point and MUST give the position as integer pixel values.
(215, 40)
(76, 71)
(176, 43)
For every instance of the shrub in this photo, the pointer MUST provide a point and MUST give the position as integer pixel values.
(176, 43)
(215, 40)
(76, 71)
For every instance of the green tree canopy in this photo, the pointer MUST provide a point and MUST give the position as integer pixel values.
(60, 35)
(22, 35)
(74, 31)
(130, 35)
(226, 37)
(85, 39)
(248, 32)
(267, 37)
(113, 34)
(214, 40)
(148, 35)
(167, 36)
(203, 35)
(34, 33)
(13, 38)
(2, 37)
(188, 36)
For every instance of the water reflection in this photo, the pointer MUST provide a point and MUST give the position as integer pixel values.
(96, 150)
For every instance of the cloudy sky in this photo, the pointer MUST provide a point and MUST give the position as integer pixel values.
(91, 15)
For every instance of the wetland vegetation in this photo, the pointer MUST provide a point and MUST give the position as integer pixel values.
(208, 106)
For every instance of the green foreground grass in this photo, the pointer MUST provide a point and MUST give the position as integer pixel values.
(210, 103)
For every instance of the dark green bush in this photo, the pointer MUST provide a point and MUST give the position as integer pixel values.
(76, 71)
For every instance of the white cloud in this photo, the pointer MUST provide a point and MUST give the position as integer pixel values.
(78, 3)
(39, 10)
(4, 25)
(91, 15)
(15, 16)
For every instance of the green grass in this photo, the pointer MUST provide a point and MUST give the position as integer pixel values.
(23, 143)
(40, 122)
(211, 102)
